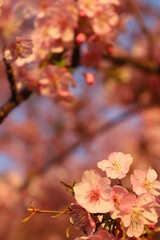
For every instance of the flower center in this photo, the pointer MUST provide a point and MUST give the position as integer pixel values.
(94, 195)
(147, 185)
(116, 165)
(19, 49)
(115, 200)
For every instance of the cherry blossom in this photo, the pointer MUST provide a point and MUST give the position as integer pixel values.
(55, 28)
(136, 212)
(20, 48)
(94, 193)
(145, 182)
(54, 82)
(88, 7)
(117, 165)
(118, 193)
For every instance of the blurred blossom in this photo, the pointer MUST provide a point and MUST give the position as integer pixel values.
(20, 48)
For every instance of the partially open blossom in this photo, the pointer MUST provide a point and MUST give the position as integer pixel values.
(99, 235)
(19, 48)
(94, 193)
(118, 193)
(117, 165)
(135, 212)
(145, 182)
(82, 220)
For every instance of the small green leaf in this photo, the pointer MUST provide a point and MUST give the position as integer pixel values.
(68, 187)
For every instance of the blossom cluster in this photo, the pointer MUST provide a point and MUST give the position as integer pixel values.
(35, 34)
(110, 211)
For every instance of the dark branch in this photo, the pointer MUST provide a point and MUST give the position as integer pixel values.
(11, 80)
(16, 97)
(11, 103)
(142, 64)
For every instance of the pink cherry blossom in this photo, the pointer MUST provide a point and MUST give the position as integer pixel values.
(145, 182)
(136, 212)
(118, 193)
(100, 235)
(19, 48)
(117, 165)
(94, 193)
(104, 21)
(54, 82)
(82, 220)
(55, 28)
(88, 7)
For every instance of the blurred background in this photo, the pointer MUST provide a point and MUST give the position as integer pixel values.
(43, 142)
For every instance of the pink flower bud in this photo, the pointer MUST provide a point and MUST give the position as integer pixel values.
(80, 38)
(89, 78)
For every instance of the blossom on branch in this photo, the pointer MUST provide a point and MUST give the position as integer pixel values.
(94, 193)
(118, 193)
(117, 165)
(145, 182)
(135, 212)
(19, 48)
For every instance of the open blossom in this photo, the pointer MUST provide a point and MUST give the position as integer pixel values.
(145, 182)
(101, 14)
(99, 235)
(54, 82)
(55, 28)
(82, 220)
(19, 48)
(104, 21)
(118, 193)
(135, 212)
(117, 165)
(94, 193)
(88, 7)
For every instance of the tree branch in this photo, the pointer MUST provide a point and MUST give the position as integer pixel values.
(145, 65)
(105, 127)
(11, 80)
(16, 97)
(11, 103)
